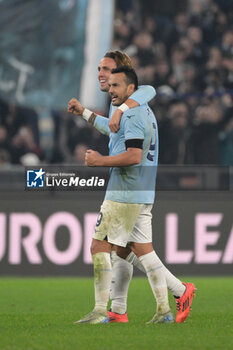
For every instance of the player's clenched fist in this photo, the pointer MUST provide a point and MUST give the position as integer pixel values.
(75, 107)
(93, 158)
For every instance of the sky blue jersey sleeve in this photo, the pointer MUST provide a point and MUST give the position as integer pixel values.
(143, 94)
(101, 124)
(133, 126)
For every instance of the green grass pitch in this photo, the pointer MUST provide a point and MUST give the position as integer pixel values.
(38, 313)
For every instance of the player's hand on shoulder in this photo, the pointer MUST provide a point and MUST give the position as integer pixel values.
(75, 107)
(92, 158)
(114, 123)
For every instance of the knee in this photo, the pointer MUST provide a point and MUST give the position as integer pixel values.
(140, 249)
(100, 246)
(93, 248)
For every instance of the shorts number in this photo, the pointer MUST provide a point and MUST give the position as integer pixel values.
(98, 222)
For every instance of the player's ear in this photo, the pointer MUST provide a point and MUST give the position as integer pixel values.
(131, 89)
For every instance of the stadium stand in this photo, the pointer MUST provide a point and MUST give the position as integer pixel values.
(186, 54)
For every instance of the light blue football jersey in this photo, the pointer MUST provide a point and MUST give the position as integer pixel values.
(142, 96)
(136, 183)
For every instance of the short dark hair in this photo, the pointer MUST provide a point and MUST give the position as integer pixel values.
(121, 58)
(131, 76)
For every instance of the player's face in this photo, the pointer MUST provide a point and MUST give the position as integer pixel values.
(118, 88)
(105, 68)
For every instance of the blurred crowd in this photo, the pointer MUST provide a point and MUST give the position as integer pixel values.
(187, 57)
(19, 136)
(29, 137)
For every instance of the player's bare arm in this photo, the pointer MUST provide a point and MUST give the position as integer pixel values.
(131, 157)
(114, 123)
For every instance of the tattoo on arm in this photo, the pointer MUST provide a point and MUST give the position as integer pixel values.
(92, 119)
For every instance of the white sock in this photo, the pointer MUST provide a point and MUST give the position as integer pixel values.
(122, 273)
(175, 286)
(102, 280)
(132, 259)
(156, 275)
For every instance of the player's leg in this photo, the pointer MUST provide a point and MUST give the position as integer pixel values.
(100, 251)
(141, 244)
(142, 233)
(122, 273)
(102, 280)
(115, 222)
(183, 292)
(156, 275)
(176, 287)
(122, 270)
